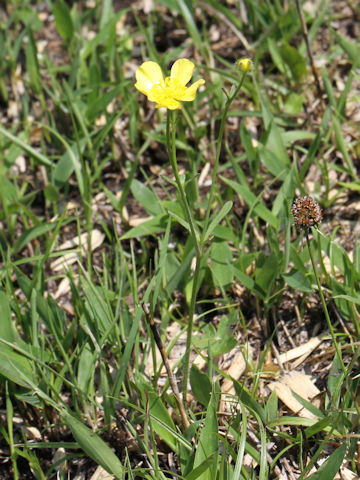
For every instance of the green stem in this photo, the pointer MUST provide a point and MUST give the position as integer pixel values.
(173, 161)
(327, 316)
(228, 103)
(170, 139)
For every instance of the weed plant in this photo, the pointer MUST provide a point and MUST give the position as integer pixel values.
(156, 299)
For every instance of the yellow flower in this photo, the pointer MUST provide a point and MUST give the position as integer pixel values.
(168, 92)
(245, 64)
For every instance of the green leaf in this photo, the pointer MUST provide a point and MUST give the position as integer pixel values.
(267, 274)
(254, 202)
(335, 381)
(288, 420)
(294, 103)
(200, 385)
(296, 135)
(29, 17)
(308, 405)
(273, 140)
(221, 257)
(68, 163)
(160, 415)
(31, 234)
(6, 325)
(15, 367)
(184, 223)
(342, 145)
(227, 342)
(205, 465)
(150, 227)
(352, 49)
(130, 340)
(98, 106)
(225, 233)
(208, 442)
(349, 298)
(86, 367)
(221, 340)
(107, 12)
(181, 274)
(293, 58)
(186, 9)
(271, 161)
(94, 446)
(271, 407)
(63, 21)
(103, 35)
(297, 281)
(98, 308)
(247, 281)
(32, 64)
(331, 466)
(225, 209)
(319, 426)
(276, 55)
(146, 197)
(350, 185)
(27, 148)
(51, 193)
(248, 401)
(171, 5)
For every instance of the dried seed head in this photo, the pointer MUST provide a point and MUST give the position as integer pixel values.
(307, 213)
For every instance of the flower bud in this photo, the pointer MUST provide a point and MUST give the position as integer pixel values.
(245, 64)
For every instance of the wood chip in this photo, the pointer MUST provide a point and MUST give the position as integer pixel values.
(101, 474)
(301, 351)
(68, 259)
(135, 221)
(237, 368)
(60, 454)
(203, 175)
(63, 288)
(346, 474)
(301, 384)
(32, 433)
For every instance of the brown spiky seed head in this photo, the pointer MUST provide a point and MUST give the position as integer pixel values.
(307, 213)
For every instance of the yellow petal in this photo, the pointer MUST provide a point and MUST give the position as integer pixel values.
(170, 104)
(190, 93)
(148, 75)
(182, 70)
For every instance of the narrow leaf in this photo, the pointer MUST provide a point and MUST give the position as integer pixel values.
(27, 148)
(329, 469)
(150, 227)
(208, 442)
(94, 446)
(63, 20)
(6, 325)
(200, 385)
(254, 202)
(217, 219)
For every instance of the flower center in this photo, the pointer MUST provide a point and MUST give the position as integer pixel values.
(172, 88)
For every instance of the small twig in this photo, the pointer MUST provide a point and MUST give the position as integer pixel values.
(308, 48)
(164, 357)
